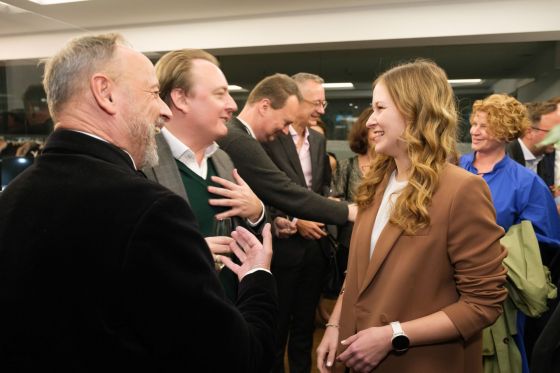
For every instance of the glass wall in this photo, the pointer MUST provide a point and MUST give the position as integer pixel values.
(25, 121)
(24, 115)
(342, 113)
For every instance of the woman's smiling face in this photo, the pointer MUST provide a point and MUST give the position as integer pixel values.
(482, 140)
(387, 123)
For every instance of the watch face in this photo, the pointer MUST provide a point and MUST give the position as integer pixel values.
(400, 343)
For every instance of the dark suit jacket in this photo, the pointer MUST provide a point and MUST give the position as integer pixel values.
(545, 168)
(102, 269)
(167, 174)
(282, 151)
(546, 353)
(272, 185)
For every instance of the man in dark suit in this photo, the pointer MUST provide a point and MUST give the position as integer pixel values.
(271, 107)
(104, 270)
(525, 150)
(300, 262)
(541, 160)
(190, 161)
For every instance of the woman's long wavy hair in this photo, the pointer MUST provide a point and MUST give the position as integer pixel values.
(423, 96)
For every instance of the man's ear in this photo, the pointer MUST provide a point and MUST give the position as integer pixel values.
(529, 135)
(102, 89)
(179, 100)
(264, 106)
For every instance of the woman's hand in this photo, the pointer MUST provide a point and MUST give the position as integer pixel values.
(326, 351)
(367, 348)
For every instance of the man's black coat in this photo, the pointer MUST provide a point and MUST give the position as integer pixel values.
(102, 269)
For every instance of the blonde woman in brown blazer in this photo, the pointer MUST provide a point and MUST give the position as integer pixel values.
(425, 257)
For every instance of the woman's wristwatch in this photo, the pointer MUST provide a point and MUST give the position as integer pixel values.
(400, 340)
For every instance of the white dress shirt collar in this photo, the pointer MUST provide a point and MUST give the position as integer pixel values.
(531, 161)
(294, 133)
(248, 128)
(186, 156)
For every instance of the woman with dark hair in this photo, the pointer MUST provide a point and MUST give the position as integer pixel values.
(350, 172)
(425, 272)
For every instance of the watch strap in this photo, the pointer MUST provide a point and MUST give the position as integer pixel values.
(397, 329)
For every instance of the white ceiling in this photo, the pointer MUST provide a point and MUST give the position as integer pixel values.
(98, 14)
(342, 40)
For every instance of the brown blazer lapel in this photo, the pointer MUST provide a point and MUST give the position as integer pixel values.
(367, 268)
(362, 236)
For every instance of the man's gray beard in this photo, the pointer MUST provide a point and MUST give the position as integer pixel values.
(151, 158)
(144, 134)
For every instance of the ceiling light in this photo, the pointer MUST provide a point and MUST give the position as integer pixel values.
(464, 81)
(236, 88)
(52, 2)
(346, 85)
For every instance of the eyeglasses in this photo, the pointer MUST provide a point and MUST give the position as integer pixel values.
(540, 129)
(324, 104)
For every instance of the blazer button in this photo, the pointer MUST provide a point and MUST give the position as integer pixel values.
(506, 340)
(384, 319)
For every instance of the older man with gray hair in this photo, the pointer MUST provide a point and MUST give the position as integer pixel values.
(104, 270)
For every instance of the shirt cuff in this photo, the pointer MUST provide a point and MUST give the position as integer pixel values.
(257, 269)
(258, 220)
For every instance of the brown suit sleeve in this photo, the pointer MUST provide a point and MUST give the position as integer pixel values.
(476, 255)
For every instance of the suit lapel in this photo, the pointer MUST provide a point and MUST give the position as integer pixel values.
(368, 267)
(316, 162)
(291, 152)
(385, 243)
(166, 172)
(362, 229)
(516, 153)
(223, 165)
(545, 168)
(237, 123)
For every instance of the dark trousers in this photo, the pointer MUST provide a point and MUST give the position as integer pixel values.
(535, 326)
(299, 288)
(546, 352)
